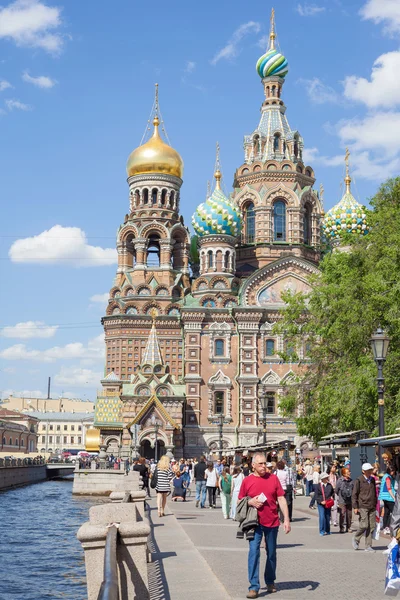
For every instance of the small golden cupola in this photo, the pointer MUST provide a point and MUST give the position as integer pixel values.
(155, 156)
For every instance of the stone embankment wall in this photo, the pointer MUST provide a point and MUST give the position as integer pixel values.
(15, 476)
(96, 482)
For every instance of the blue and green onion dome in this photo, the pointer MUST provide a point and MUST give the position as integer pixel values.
(348, 216)
(217, 215)
(272, 63)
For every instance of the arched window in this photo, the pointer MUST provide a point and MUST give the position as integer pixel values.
(4, 441)
(255, 144)
(219, 403)
(226, 260)
(10, 442)
(289, 349)
(172, 199)
(145, 196)
(249, 223)
(210, 257)
(279, 221)
(219, 348)
(296, 148)
(163, 196)
(137, 198)
(270, 403)
(153, 251)
(307, 224)
(276, 142)
(273, 90)
(154, 196)
(270, 347)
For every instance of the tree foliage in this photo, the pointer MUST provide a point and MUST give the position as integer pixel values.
(357, 290)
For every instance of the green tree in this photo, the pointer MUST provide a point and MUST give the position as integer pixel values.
(357, 290)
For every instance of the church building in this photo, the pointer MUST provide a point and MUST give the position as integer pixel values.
(189, 323)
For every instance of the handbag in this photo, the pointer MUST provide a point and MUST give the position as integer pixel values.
(153, 482)
(328, 503)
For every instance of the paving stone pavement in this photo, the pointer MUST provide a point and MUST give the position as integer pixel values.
(309, 566)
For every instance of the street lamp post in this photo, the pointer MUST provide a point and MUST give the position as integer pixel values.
(380, 344)
(264, 406)
(156, 424)
(221, 418)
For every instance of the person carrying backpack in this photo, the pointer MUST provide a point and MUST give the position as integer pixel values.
(344, 490)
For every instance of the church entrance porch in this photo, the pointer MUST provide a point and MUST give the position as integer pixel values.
(149, 451)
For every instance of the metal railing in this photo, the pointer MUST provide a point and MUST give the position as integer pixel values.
(21, 462)
(107, 466)
(109, 589)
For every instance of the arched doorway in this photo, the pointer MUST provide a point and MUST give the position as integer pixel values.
(148, 452)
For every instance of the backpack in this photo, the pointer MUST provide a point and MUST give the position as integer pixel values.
(346, 491)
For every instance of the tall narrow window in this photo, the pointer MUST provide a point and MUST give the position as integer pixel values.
(153, 252)
(219, 403)
(154, 196)
(249, 223)
(163, 197)
(307, 224)
(226, 260)
(270, 347)
(219, 348)
(270, 403)
(145, 196)
(279, 221)
(210, 259)
(276, 142)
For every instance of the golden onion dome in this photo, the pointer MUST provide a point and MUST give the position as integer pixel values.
(155, 156)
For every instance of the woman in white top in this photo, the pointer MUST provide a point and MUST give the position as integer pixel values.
(316, 480)
(237, 479)
(211, 477)
(282, 475)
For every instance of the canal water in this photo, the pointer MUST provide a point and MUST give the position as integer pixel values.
(40, 556)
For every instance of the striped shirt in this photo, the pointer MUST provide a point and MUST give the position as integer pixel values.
(164, 480)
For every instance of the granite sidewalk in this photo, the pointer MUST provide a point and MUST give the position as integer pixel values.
(198, 556)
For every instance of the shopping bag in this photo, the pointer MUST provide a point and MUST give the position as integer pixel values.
(392, 580)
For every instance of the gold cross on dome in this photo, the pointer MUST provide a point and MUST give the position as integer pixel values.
(153, 313)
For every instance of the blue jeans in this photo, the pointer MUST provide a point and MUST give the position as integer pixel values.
(271, 534)
(324, 519)
(201, 492)
(309, 486)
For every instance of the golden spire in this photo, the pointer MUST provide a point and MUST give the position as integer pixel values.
(217, 174)
(347, 179)
(156, 100)
(272, 34)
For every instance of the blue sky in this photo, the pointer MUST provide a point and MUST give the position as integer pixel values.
(76, 88)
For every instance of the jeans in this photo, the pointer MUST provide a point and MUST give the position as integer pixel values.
(387, 515)
(366, 525)
(324, 519)
(212, 492)
(201, 492)
(312, 501)
(271, 534)
(226, 504)
(345, 516)
(309, 486)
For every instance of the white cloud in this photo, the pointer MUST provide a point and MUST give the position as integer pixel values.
(40, 81)
(383, 89)
(311, 156)
(319, 93)
(29, 329)
(78, 377)
(190, 66)
(379, 132)
(263, 42)
(383, 11)
(232, 48)
(309, 10)
(32, 23)
(4, 85)
(95, 349)
(100, 298)
(61, 245)
(10, 370)
(17, 105)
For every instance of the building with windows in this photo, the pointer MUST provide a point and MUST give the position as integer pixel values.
(189, 323)
(25, 403)
(18, 433)
(62, 431)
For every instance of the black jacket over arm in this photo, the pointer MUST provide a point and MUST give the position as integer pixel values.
(329, 492)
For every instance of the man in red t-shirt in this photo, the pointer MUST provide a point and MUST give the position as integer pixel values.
(262, 481)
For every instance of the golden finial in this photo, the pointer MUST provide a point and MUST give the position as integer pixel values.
(347, 179)
(272, 34)
(217, 173)
(153, 314)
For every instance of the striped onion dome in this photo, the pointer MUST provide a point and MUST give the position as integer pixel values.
(217, 215)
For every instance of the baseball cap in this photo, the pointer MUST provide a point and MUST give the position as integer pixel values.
(268, 464)
(366, 467)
